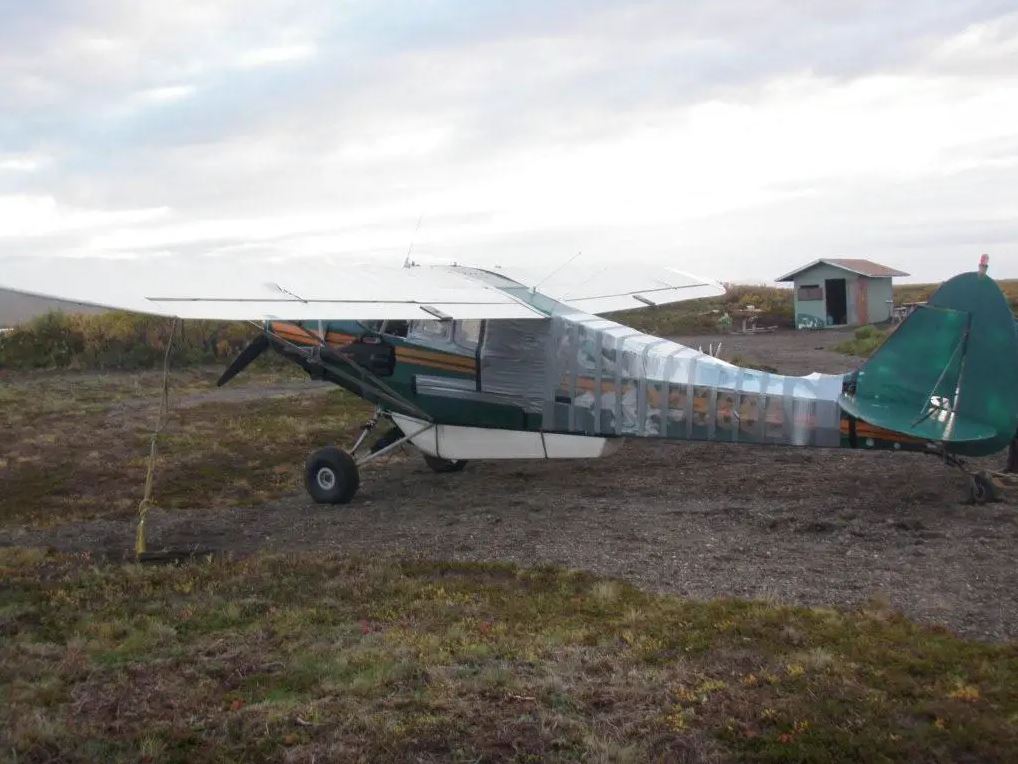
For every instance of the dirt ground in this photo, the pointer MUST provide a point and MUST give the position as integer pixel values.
(820, 528)
(790, 352)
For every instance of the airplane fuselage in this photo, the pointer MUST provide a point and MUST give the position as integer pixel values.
(529, 376)
(942, 383)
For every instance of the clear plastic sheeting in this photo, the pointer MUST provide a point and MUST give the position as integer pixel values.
(603, 378)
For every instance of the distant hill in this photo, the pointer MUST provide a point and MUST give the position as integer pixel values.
(921, 292)
(17, 308)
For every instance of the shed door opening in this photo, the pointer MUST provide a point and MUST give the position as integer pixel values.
(837, 301)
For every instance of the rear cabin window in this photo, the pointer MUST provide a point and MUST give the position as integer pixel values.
(392, 328)
(467, 333)
(810, 292)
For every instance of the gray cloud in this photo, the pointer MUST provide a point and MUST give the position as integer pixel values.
(264, 131)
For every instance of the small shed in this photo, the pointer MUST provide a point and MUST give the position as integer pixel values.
(842, 292)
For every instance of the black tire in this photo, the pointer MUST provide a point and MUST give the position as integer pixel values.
(440, 465)
(331, 476)
(982, 489)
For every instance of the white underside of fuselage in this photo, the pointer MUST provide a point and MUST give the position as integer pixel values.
(455, 442)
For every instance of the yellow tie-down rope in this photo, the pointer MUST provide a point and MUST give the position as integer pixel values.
(146, 499)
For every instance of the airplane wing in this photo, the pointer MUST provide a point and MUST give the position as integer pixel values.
(607, 288)
(216, 289)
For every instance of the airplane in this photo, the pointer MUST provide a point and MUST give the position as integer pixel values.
(472, 363)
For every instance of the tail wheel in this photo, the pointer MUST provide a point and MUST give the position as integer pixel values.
(441, 465)
(331, 476)
(982, 489)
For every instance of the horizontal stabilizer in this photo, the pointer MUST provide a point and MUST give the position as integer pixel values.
(940, 428)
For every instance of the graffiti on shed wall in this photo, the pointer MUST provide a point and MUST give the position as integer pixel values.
(807, 321)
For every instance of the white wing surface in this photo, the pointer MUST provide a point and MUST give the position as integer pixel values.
(217, 289)
(605, 288)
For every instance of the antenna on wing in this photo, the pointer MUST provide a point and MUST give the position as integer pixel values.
(407, 262)
(533, 289)
(283, 290)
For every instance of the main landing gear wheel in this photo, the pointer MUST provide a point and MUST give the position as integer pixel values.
(331, 476)
(440, 465)
(982, 489)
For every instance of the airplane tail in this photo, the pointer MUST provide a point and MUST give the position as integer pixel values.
(949, 373)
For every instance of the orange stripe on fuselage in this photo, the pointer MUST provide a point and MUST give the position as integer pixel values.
(338, 339)
(416, 355)
(409, 355)
(867, 430)
(294, 333)
(305, 336)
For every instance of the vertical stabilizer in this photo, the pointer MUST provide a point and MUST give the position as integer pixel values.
(949, 373)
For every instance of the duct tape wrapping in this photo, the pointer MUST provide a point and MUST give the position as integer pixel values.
(514, 362)
(602, 378)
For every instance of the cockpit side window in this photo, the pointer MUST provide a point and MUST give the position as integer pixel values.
(455, 336)
(396, 328)
(431, 332)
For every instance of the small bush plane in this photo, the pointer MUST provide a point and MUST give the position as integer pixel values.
(471, 363)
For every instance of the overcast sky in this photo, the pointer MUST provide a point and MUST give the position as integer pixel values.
(734, 138)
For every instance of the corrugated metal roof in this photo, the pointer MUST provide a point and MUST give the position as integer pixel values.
(855, 265)
(18, 308)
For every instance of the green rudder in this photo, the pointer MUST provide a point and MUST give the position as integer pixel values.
(949, 373)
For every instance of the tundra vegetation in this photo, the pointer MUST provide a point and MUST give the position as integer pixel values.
(325, 658)
(864, 341)
(117, 340)
(75, 444)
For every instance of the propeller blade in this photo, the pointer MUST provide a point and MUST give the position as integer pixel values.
(255, 348)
